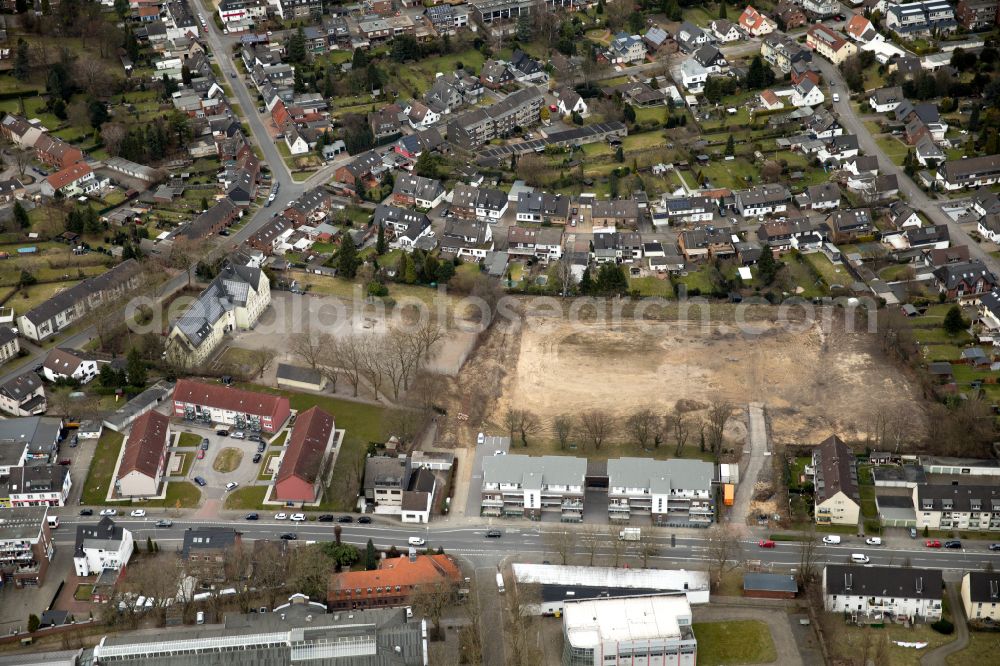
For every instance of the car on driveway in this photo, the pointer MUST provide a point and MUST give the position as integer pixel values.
(289, 536)
(345, 519)
(109, 512)
(252, 516)
(364, 520)
(765, 543)
(232, 485)
(953, 544)
(281, 516)
(90, 512)
(200, 481)
(164, 523)
(298, 517)
(138, 513)
(326, 518)
(932, 543)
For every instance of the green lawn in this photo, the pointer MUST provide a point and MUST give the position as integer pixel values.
(894, 148)
(643, 141)
(280, 439)
(180, 494)
(645, 114)
(83, 591)
(263, 475)
(983, 648)
(188, 439)
(830, 272)
(736, 642)
(102, 466)
(249, 497)
(896, 272)
(851, 642)
(702, 280)
(731, 174)
(652, 286)
(937, 335)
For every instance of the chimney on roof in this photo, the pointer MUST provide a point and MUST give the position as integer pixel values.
(920, 584)
(847, 581)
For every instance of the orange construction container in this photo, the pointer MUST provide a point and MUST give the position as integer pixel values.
(728, 492)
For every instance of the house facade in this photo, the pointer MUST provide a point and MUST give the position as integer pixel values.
(527, 486)
(215, 403)
(144, 461)
(835, 477)
(890, 593)
(100, 547)
(672, 492)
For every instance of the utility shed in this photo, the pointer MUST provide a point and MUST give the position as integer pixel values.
(769, 586)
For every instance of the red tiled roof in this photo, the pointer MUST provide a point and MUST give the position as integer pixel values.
(145, 445)
(304, 455)
(70, 174)
(228, 398)
(424, 570)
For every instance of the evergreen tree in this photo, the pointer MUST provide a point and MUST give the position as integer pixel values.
(629, 113)
(600, 7)
(347, 258)
(722, 11)
(135, 368)
(186, 74)
(204, 203)
(445, 272)
(613, 184)
(360, 59)
(974, 119)
(767, 267)
(410, 271)
(121, 8)
(98, 112)
(525, 28)
(730, 145)
(20, 6)
(371, 557)
(586, 285)
(954, 322)
(380, 244)
(21, 216)
(755, 75)
(22, 62)
(295, 47)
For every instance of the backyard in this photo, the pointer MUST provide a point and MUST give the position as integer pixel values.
(734, 642)
(102, 467)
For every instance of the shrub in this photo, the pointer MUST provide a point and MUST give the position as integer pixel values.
(943, 626)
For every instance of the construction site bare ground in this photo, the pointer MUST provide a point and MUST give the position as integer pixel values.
(813, 381)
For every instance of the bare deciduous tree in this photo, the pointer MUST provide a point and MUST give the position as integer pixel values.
(617, 544)
(562, 427)
(349, 353)
(648, 547)
(260, 360)
(310, 347)
(596, 425)
(561, 543)
(676, 425)
(718, 413)
(722, 548)
(592, 541)
(642, 426)
(529, 425)
(432, 600)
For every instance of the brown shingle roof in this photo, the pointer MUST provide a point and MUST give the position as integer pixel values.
(836, 470)
(304, 455)
(145, 445)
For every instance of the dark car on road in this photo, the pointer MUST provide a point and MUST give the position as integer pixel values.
(345, 519)
(260, 447)
(326, 518)
(253, 516)
(494, 534)
(200, 481)
(953, 544)
(165, 523)
(256, 458)
(364, 520)
(289, 536)
(254, 438)
(86, 512)
(995, 546)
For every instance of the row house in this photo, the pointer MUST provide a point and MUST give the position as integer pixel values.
(674, 492)
(213, 221)
(783, 52)
(617, 213)
(26, 546)
(785, 235)
(763, 200)
(980, 593)
(544, 244)
(528, 486)
(756, 24)
(681, 210)
(829, 43)
(977, 14)
(482, 203)
(706, 242)
(617, 247)
(884, 593)
(412, 190)
(57, 153)
(969, 172)
(957, 507)
(920, 19)
(543, 208)
(467, 239)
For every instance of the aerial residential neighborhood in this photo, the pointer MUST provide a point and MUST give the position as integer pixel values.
(500, 332)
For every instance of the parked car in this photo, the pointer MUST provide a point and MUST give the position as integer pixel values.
(416, 541)
(766, 543)
(281, 516)
(65, 461)
(109, 512)
(873, 541)
(254, 438)
(345, 519)
(365, 520)
(232, 485)
(289, 536)
(252, 516)
(90, 512)
(831, 539)
(204, 444)
(138, 513)
(200, 481)
(326, 518)
(238, 435)
(256, 458)
(260, 447)
(913, 532)
(164, 523)
(494, 534)
(953, 544)
(995, 546)
(222, 433)
(298, 517)
(201, 454)
(932, 543)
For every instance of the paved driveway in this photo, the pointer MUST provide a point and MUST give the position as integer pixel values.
(245, 474)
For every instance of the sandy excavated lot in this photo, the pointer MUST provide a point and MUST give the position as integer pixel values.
(813, 384)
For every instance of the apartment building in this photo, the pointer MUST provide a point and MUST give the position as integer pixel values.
(35, 485)
(981, 596)
(215, 403)
(977, 14)
(26, 546)
(520, 485)
(304, 458)
(920, 19)
(488, 12)
(949, 506)
(467, 239)
(969, 172)
(763, 200)
(886, 593)
(829, 43)
(144, 461)
(543, 208)
(100, 547)
(413, 190)
(544, 243)
(478, 126)
(673, 492)
(235, 299)
(835, 477)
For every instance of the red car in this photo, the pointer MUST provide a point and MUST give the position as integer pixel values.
(201, 453)
(553, 107)
(932, 543)
(766, 543)
(65, 461)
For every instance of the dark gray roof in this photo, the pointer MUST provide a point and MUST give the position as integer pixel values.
(105, 534)
(963, 498)
(836, 470)
(299, 374)
(208, 538)
(770, 582)
(82, 291)
(897, 582)
(230, 288)
(984, 586)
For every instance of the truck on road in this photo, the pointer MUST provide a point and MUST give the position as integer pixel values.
(500, 582)
(630, 534)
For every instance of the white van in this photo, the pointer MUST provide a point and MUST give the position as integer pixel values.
(832, 539)
(415, 541)
(200, 617)
(858, 558)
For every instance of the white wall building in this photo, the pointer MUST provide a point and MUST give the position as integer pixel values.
(883, 592)
(675, 492)
(101, 546)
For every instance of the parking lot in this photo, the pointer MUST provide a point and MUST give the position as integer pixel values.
(245, 473)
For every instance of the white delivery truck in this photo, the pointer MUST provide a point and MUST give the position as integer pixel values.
(500, 582)
(630, 534)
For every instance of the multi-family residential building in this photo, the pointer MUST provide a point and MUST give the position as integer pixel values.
(23, 395)
(304, 458)
(204, 552)
(10, 346)
(488, 12)
(297, 9)
(528, 486)
(544, 243)
(413, 190)
(649, 629)
(763, 200)
(887, 593)
(144, 461)
(821, 8)
(835, 477)
(225, 405)
(977, 14)
(963, 506)
(26, 546)
(964, 279)
(756, 24)
(470, 239)
(543, 208)
(829, 43)
(35, 485)
(474, 128)
(235, 299)
(626, 49)
(917, 19)
(981, 595)
(394, 583)
(101, 547)
(673, 492)
(783, 52)
(969, 172)
(70, 305)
